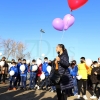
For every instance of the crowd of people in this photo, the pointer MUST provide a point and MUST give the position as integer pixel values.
(72, 76)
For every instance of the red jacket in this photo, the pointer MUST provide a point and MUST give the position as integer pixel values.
(39, 70)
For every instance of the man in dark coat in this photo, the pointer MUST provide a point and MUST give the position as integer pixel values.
(95, 78)
(3, 70)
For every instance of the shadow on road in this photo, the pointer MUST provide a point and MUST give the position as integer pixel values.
(24, 95)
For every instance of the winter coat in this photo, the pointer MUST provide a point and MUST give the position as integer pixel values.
(66, 80)
(25, 72)
(5, 68)
(94, 78)
(39, 72)
(73, 71)
(44, 68)
(82, 70)
(18, 66)
(32, 72)
(15, 69)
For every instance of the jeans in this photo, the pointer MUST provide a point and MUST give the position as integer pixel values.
(94, 88)
(4, 77)
(12, 80)
(75, 89)
(80, 83)
(18, 79)
(23, 81)
(89, 82)
(53, 88)
(45, 82)
(32, 81)
(98, 86)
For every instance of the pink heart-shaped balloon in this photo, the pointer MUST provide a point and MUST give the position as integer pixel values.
(58, 24)
(68, 21)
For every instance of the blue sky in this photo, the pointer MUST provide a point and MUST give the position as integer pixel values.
(22, 20)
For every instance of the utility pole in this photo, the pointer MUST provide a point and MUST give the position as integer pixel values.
(40, 47)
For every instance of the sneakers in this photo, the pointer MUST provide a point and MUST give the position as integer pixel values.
(99, 98)
(14, 89)
(85, 97)
(78, 97)
(76, 94)
(38, 87)
(93, 97)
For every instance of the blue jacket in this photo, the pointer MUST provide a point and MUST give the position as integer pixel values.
(31, 72)
(73, 71)
(44, 68)
(18, 66)
(25, 72)
(15, 69)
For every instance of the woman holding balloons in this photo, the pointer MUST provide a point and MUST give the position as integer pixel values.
(62, 64)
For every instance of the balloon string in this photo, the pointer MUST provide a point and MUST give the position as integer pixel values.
(70, 11)
(62, 35)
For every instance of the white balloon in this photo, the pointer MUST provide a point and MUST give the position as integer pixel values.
(0, 54)
(43, 55)
(49, 69)
(2, 63)
(39, 62)
(88, 62)
(79, 77)
(11, 73)
(34, 67)
(28, 61)
(10, 65)
(22, 68)
(42, 77)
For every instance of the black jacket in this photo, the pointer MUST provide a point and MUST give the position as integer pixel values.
(95, 78)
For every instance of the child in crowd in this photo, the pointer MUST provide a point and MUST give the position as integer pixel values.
(39, 72)
(45, 82)
(13, 78)
(33, 75)
(23, 75)
(73, 71)
(18, 66)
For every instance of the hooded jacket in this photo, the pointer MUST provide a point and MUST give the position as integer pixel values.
(32, 72)
(44, 68)
(15, 69)
(25, 71)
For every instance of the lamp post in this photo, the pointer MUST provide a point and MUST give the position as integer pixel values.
(40, 47)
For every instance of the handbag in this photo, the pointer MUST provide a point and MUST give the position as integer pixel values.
(56, 77)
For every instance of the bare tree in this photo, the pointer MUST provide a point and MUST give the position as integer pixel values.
(14, 49)
(28, 55)
(20, 50)
(9, 47)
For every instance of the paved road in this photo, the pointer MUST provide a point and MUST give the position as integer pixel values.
(29, 95)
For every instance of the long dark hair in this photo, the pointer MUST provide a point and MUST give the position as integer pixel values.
(63, 47)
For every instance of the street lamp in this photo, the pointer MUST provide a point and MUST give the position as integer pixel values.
(40, 49)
